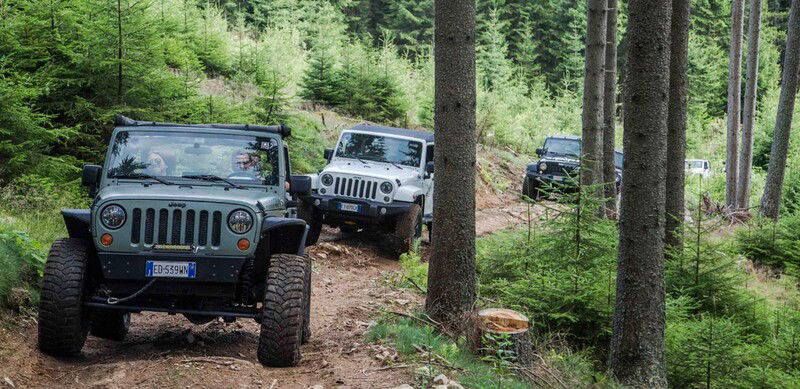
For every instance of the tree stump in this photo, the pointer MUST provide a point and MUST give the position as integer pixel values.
(496, 329)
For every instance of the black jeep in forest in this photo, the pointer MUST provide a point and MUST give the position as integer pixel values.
(557, 167)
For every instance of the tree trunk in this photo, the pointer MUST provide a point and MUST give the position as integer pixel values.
(594, 78)
(119, 51)
(771, 200)
(637, 343)
(451, 274)
(751, 88)
(609, 110)
(676, 133)
(734, 102)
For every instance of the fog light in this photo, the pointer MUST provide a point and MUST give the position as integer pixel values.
(383, 211)
(106, 239)
(386, 199)
(317, 202)
(243, 244)
(322, 191)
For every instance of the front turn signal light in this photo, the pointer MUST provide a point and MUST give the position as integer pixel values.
(243, 244)
(106, 239)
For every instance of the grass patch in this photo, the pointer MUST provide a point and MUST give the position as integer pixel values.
(21, 263)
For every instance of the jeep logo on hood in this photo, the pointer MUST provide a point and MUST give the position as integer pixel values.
(177, 205)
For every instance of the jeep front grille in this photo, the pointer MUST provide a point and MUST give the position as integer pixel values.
(558, 169)
(175, 226)
(356, 188)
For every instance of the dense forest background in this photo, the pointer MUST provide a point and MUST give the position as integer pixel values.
(67, 66)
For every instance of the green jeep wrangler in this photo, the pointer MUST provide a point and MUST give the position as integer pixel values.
(186, 219)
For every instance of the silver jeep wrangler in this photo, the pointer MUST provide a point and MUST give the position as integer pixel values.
(378, 179)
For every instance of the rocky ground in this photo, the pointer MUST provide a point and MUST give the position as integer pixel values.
(352, 284)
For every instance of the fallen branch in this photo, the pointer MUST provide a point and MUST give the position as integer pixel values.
(423, 291)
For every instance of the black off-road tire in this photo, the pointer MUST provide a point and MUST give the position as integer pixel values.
(307, 305)
(532, 191)
(348, 229)
(63, 320)
(313, 218)
(283, 317)
(110, 324)
(408, 229)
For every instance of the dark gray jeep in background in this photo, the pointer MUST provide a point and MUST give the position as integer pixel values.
(557, 167)
(186, 219)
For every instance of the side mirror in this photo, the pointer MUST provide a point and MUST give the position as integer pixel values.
(429, 168)
(300, 185)
(540, 151)
(91, 177)
(328, 154)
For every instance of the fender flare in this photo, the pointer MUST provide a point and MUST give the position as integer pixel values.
(78, 222)
(284, 235)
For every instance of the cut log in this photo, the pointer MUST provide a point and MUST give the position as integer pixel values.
(496, 329)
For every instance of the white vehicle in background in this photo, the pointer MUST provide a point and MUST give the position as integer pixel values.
(378, 179)
(698, 167)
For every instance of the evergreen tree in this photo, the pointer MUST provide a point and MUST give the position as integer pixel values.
(494, 67)
(320, 84)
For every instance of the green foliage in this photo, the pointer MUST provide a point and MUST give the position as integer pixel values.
(771, 243)
(21, 263)
(563, 277)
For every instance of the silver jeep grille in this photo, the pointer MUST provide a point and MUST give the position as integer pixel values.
(176, 226)
(358, 188)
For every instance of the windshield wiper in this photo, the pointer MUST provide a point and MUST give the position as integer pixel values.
(142, 176)
(211, 177)
(395, 165)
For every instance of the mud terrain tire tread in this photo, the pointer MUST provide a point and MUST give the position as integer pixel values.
(407, 228)
(282, 318)
(313, 218)
(307, 304)
(110, 324)
(63, 320)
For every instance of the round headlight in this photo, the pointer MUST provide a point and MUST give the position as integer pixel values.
(387, 187)
(113, 217)
(542, 166)
(240, 221)
(327, 179)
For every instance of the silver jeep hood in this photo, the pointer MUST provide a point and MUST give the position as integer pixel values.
(376, 170)
(268, 198)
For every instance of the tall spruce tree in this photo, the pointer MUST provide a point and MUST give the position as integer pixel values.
(591, 170)
(676, 134)
(771, 199)
(610, 111)
(734, 102)
(751, 91)
(637, 343)
(451, 274)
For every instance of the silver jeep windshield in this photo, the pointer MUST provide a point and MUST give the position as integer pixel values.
(369, 147)
(245, 160)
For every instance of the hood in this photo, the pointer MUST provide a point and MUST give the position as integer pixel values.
(378, 170)
(268, 198)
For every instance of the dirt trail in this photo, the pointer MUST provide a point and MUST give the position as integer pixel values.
(350, 287)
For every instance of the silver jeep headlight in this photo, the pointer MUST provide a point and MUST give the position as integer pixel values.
(542, 166)
(386, 187)
(326, 179)
(240, 221)
(113, 217)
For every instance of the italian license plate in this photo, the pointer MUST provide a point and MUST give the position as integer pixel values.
(349, 207)
(171, 269)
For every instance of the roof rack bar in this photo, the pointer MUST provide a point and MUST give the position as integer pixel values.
(281, 129)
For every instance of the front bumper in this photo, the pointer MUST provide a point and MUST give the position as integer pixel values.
(368, 210)
(132, 267)
(539, 180)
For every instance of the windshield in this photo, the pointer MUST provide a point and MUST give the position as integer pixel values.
(380, 148)
(563, 146)
(618, 160)
(694, 164)
(247, 160)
